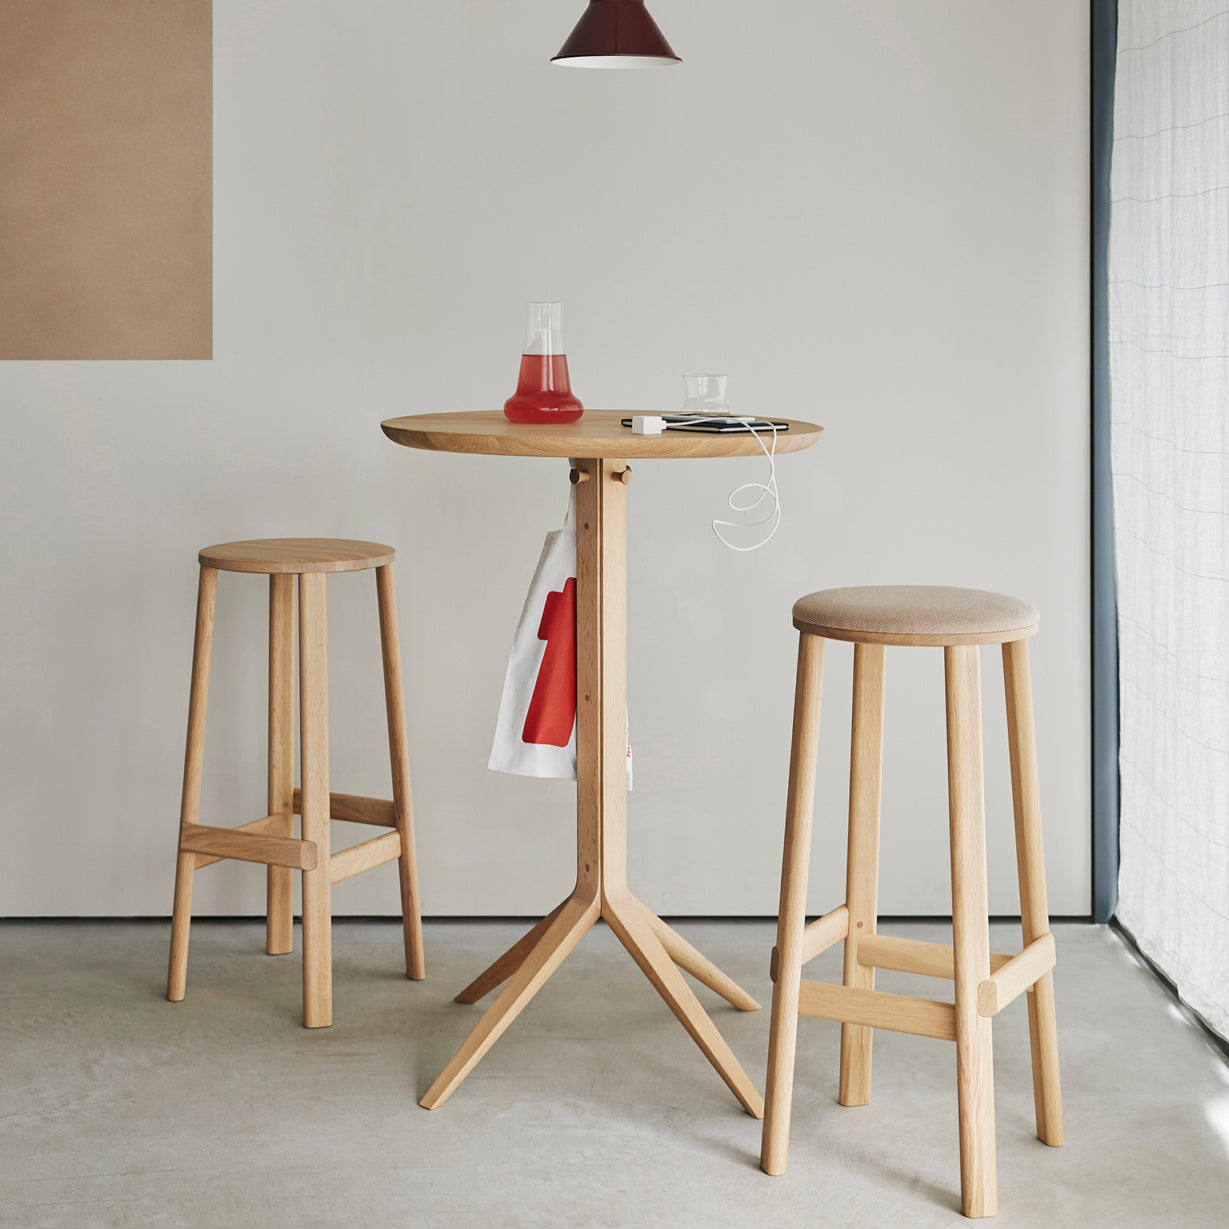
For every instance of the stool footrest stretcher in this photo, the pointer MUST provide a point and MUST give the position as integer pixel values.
(364, 856)
(249, 843)
(915, 956)
(874, 1008)
(353, 809)
(819, 936)
(1017, 975)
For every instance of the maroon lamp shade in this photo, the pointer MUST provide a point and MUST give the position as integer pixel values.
(616, 34)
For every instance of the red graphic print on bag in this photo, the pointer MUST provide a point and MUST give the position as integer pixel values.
(552, 710)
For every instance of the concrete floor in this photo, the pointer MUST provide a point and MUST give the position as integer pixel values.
(120, 1109)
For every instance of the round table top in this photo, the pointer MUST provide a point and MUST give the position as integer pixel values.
(598, 433)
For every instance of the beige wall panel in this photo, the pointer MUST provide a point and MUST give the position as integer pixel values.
(106, 179)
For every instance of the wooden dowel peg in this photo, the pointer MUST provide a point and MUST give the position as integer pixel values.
(623, 475)
(578, 476)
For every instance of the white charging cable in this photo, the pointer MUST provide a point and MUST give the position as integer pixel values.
(654, 424)
(767, 490)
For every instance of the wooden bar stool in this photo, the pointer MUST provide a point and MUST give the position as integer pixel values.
(271, 840)
(960, 620)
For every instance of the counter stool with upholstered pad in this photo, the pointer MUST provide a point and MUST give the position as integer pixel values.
(960, 620)
(271, 840)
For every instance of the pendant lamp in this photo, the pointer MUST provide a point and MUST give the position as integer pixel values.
(616, 34)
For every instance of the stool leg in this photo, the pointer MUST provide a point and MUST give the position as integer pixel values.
(399, 755)
(792, 918)
(190, 801)
(279, 925)
(314, 769)
(862, 870)
(971, 930)
(1034, 912)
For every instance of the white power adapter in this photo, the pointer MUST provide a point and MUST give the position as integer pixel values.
(648, 424)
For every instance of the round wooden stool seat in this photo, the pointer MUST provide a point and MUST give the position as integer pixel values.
(915, 614)
(279, 556)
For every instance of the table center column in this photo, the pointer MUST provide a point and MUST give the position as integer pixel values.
(601, 675)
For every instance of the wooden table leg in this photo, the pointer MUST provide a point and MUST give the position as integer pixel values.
(501, 969)
(601, 644)
(629, 919)
(576, 916)
(699, 965)
(601, 822)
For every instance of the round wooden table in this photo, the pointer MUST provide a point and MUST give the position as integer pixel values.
(599, 447)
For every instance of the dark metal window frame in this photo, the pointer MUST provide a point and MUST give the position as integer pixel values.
(1105, 783)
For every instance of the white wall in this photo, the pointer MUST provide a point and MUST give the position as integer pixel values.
(872, 213)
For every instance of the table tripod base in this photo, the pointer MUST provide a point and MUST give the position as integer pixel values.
(654, 946)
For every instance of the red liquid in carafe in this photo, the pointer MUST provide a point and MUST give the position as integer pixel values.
(543, 392)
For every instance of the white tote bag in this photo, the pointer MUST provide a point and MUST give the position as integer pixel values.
(535, 734)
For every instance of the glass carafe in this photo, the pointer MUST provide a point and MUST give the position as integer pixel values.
(543, 391)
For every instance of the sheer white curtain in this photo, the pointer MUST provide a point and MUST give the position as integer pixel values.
(1169, 374)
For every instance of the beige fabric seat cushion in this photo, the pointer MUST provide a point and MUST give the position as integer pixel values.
(915, 614)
